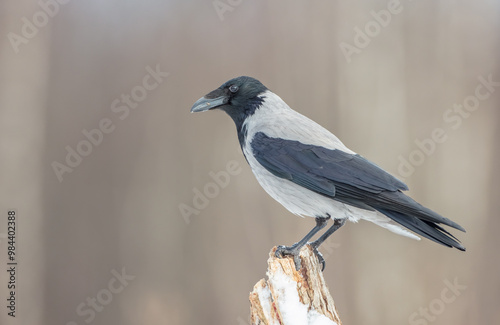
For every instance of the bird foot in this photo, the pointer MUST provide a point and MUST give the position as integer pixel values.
(294, 251)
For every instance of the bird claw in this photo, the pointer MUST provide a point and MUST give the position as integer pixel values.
(294, 251)
(314, 245)
(320, 257)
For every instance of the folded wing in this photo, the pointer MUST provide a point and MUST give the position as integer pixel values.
(351, 179)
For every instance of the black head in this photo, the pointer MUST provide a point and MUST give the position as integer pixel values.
(238, 97)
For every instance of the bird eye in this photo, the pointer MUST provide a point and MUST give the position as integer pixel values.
(233, 88)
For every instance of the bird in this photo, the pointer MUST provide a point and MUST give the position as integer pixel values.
(312, 173)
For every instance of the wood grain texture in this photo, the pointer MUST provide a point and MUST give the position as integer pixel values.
(293, 297)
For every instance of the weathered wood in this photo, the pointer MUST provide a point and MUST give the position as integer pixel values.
(293, 297)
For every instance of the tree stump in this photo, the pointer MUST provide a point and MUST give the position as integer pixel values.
(291, 297)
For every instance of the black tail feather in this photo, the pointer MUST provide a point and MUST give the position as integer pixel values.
(441, 229)
(425, 228)
(405, 205)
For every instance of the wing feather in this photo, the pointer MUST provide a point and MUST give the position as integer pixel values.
(348, 178)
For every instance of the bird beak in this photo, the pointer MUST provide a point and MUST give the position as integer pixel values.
(212, 100)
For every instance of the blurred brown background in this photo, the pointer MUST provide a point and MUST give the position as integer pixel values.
(120, 207)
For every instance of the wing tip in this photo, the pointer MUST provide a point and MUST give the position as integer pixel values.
(428, 229)
(460, 247)
(454, 225)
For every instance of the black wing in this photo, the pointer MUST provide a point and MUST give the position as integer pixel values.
(320, 169)
(348, 178)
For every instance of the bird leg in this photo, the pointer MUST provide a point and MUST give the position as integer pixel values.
(294, 250)
(337, 223)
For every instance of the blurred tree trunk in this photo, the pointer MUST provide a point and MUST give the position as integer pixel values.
(82, 228)
(488, 269)
(23, 75)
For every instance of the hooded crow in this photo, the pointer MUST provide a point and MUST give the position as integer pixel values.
(312, 173)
